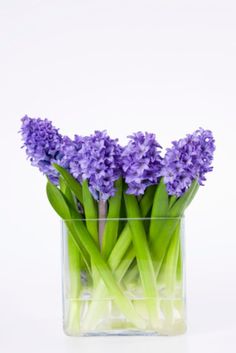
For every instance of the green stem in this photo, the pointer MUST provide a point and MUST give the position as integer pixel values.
(167, 277)
(143, 257)
(91, 213)
(90, 210)
(147, 200)
(112, 223)
(102, 211)
(71, 182)
(72, 325)
(131, 273)
(120, 248)
(84, 261)
(173, 198)
(125, 263)
(180, 300)
(160, 245)
(159, 210)
(179, 271)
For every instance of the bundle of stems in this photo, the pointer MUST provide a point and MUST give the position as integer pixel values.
(134, 251)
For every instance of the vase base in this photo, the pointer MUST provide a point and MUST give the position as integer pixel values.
(175, 331)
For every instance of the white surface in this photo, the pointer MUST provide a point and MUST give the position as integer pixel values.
(159, 65)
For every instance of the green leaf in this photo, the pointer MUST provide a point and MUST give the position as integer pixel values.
(90, 210)
(73, 184)
(179, 270)
(120, 248)
(160, 244)
(112, 223)
(177, 210)
(57, 201)
(125, 264)
(193, 194)
(161, 201)
(159, 210)
(167, 275)
(70, 198)
(84, 253)
(74, 262)
(173, 199)
(147, 200)
(167, 227)
(59, 204)
(62, 184)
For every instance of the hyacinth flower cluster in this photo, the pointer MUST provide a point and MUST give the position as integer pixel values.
(141, 162)
(42, 143)
(189, 159)
(122, 210)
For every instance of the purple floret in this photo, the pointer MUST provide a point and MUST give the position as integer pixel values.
(42, 143)
(141, 162)
(189, 158)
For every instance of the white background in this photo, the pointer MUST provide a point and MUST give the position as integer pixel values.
(161, 66)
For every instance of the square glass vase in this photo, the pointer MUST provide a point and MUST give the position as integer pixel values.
(127, 281)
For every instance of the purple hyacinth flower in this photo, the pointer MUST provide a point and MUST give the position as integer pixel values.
(95, 158)
(42, 143)
(141, 162)
(189, 158)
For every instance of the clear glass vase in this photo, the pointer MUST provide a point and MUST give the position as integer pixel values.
(129, 282)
